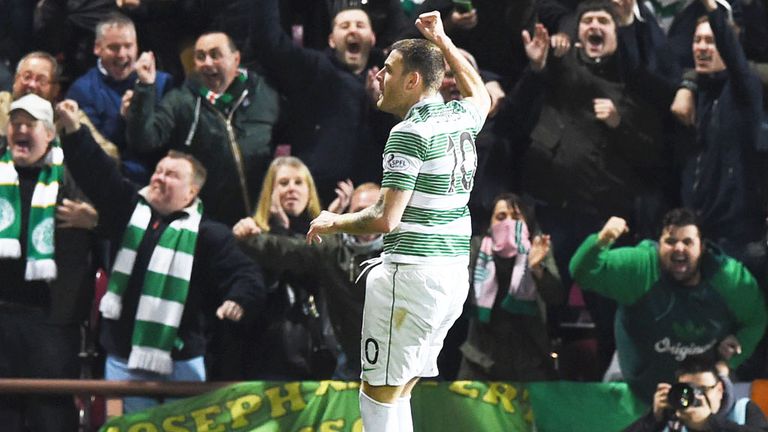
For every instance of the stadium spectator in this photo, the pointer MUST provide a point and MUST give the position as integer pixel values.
(45, 269)
(335, 126)
(278, 345)
(513, 273)
(595, 128)
(702, 398)
(676, 298)
(173, 266)
(100, 91)
(223, 115)
(721, 176)
(490, 32)
(313, 20)
(335, 264)
(38, 73)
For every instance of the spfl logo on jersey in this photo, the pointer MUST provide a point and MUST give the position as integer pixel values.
(397, 163)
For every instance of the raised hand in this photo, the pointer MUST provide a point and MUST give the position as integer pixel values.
(613, 229)
(68, 113)
(431, 26)
(539, 250)
(729, 347)
(277, 211)
(626, 11)
(145, 68)
(561, 43)
(537, 47)
(344, 190)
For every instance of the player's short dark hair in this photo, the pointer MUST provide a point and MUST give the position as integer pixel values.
(424, 57)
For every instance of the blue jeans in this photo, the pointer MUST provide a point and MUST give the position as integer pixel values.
(183, 370)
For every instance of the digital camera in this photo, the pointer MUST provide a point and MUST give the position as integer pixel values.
(682, 396)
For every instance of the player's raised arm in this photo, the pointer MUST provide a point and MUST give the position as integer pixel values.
(468, 80)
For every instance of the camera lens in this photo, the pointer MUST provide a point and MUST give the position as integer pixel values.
(682, 396)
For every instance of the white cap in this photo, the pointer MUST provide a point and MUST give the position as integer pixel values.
(35, 106)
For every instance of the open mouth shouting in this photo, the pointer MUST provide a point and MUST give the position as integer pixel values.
(119, 69)
(679, 263)
(595, 42)
(703, 58)
(212, 79)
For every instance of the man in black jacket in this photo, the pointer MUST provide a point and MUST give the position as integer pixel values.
(335, 126)
(596, 149)
(223, 115)
(171, 265)
(721, 175)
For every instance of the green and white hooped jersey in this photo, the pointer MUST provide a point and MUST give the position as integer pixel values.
(432, 152)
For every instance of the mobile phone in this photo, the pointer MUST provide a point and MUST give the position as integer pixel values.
(463, 6)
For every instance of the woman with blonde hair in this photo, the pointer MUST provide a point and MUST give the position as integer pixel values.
(289, 200)
(295, 339)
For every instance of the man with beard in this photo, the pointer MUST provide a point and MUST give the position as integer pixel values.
(335, 126)
(223, 115)
(99, 92)
(676, 298)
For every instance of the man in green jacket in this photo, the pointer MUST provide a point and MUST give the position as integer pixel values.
(223, 115)
(677, 298)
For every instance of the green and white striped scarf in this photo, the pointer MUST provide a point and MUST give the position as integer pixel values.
(41, 264)
(225, 100)
(165, 288)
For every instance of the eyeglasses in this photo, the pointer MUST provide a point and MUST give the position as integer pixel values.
(702, 388)
(29, 76)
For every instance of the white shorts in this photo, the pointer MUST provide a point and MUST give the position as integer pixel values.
(409, 309)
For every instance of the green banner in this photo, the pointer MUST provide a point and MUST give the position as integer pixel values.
(332, 406)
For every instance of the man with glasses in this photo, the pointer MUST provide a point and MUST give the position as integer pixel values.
(702, 399)
(38, 73)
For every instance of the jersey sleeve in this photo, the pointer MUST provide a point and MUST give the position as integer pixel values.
(404, 154)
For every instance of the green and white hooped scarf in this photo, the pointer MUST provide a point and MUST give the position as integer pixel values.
(225, 100)
(41, 264)
(165, 289)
